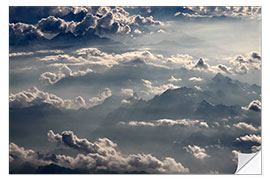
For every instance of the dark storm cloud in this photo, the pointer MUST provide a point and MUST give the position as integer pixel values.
(21, 33)
(103, 21)
(53, 25)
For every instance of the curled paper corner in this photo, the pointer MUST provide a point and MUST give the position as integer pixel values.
(249, 163)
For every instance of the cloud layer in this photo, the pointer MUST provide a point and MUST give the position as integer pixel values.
(98, 155)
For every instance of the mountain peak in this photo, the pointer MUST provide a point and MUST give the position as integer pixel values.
(220, 77)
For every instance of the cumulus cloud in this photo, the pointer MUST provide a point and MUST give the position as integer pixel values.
(197, 152)
(246, 127)
(173, 79)
(196, 79)
(102, 154)
(52, 24)
(250, 138)
(22, 33)
(242, 64)
(103, 21)
(155, 90)
(254, 105)
(168, 122)
(225, 68)
(128, 92)
(101, 97)
(181, 59)
(63, 72)
(34, 97)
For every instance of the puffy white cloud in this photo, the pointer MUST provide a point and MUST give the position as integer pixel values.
(242, 64)
(101, 97)
(155, 90)
(137, 31)
(181, 59)
(128, 92)
(251, 138)
(63, 72)
(173, 79)
(254, 105)
(197, 152)
(168, 122)
(196, 79)
(245, 126)
(103, 154)
(34, 96)
(93, 56)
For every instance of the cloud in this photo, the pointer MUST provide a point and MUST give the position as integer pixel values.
(124, 101)
(187, 61)
(35, 97)
(88, 22)
(242, 64)
(254, 105)
(224, 68)
(101, 97)
(168, 122)
(221, 11)
(103, 154)
(250, 138)
(18, 54)
(255, 148)
(52, 24)
(63, 72)
(173, 79)
(128, 92)
(80, 101)
(246, 127)
(198, 88)
(157, 89)
(197, 152)
(95, 57)
(196, 79)
(181, 59)
(20, 33)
